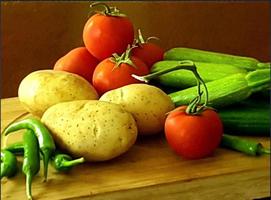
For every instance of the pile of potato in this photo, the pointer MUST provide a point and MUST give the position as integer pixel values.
(66, 98)
(84, 125)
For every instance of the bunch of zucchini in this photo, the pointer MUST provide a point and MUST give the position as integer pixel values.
(238, 87)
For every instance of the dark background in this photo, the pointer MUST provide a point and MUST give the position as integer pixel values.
(35, 34)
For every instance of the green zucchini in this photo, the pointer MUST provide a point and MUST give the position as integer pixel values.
(196, 55)
(184, 79)
(228, 90)
(263, 94)
(165, 89)
(250, 117)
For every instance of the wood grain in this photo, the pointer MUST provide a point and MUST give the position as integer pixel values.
(148, 171)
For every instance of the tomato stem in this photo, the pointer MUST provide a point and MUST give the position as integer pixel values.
(123, 58)
(194, 106)
(185, 64)
(108, 11)
(106, 7)
(140, 39)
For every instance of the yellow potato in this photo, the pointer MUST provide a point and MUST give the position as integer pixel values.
(148, 105)
(41, 89)
(93, 129)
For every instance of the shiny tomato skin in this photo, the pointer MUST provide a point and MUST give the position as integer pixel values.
(104, 35)
(193, 136)
(148, 52)
(107, 77)
(78, 61)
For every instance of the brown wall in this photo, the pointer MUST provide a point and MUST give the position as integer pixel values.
(35, 34)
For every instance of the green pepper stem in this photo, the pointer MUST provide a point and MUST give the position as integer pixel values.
(263, 150)
(193, 107)
(70, 163)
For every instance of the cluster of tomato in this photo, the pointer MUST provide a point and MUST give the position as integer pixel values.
(111, 52)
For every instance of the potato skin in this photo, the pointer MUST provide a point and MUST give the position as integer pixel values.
(148, 104)
(96, 130)
(43, 88)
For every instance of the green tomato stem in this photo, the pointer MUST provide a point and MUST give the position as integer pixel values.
(187, 64)
(108, 11)
(194, 107)
(106, 7)
(140, 37)
(123, 58)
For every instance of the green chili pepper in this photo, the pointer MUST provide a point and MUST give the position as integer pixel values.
(31, 162)
(8, 164)
(46, 142)
(64, 162)
(249, 147)
(16, 148)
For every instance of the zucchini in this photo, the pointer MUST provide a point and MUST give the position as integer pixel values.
(247, 118)
(184, 79)
(165, 89)
(196, 55)
(263, 94)
(228, 90)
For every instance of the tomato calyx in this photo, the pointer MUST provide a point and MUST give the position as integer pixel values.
(108, 11)
(123, 58)
(140, 39)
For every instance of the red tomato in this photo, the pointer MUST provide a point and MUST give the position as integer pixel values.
(104, 35)
(108, 76)
(148, 52)
(78, 61)
(193, 136)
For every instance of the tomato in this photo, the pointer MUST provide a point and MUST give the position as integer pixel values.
(105, 34)
(193, 136)
(78, 61)
(108, 75)
(149, 52)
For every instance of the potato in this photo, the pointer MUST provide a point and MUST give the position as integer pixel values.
(148, 105)
(41, 89)
(96, 130)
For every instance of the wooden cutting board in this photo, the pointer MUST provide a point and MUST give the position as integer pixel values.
(149, 170)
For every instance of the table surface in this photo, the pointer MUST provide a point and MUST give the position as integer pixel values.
(149, 170)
